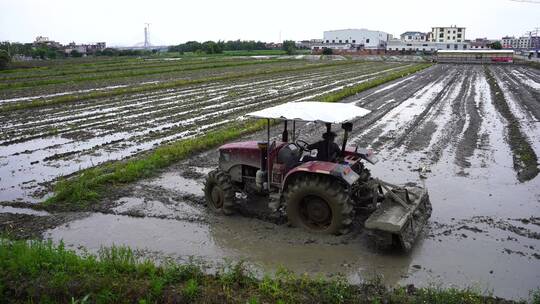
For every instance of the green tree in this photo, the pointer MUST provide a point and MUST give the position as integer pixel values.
(289, 46)
(4, 59)
(211, 47)
(496, 45)
(75, 53)
(109, 52)
(327, 51)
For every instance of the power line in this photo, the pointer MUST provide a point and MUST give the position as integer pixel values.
(527, 1)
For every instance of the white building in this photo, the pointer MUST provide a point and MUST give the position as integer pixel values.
(308, 43)
(357, 37)
(41, 39)
(424, 46)
(413, 36)
(523, 42)
(448, 34)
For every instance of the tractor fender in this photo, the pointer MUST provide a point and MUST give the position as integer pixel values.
(342, 172)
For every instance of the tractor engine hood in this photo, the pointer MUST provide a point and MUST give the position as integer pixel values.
(246, 152)
(343, 172)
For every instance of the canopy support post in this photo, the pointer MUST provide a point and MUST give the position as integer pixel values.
(268, 167)
(285, 134)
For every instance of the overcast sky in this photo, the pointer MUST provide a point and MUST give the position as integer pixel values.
(121, 22)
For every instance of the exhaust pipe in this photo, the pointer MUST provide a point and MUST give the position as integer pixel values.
(260, 176)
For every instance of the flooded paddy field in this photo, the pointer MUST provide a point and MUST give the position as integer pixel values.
(43, 83)
(38, 145)
(466, 132)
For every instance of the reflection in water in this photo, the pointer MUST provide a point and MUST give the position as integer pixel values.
(270, 246)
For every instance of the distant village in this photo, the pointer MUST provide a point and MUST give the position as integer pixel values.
(337, 42)
(78, 50)
(70, 47)
(364, 41)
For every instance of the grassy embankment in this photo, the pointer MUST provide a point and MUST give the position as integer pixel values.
(244, 53)
(524, 158)
(84, 189)
(159, 86)
(41, 272)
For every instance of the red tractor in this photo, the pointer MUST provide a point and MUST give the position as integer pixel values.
(323, 191)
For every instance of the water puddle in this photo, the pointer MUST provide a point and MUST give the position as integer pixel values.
(9, 209)
(176, 182)
(155, 208)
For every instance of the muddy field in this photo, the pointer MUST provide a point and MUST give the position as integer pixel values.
(446, 127)
(38, 145)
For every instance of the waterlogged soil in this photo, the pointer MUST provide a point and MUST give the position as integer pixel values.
(38, 145)
(45, 85)
(439, 128)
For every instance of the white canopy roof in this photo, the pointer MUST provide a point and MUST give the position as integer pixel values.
(313, 111)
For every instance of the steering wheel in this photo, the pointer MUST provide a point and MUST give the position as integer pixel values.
(302, 145)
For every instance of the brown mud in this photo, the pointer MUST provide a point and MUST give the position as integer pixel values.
(439, 128)
(40, 144)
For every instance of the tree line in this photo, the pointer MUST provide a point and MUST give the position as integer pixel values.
(44, 51)
(212, 47)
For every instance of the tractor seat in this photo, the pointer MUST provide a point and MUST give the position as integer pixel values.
(290, 156)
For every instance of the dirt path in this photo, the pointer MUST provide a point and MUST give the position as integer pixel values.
(439, 128)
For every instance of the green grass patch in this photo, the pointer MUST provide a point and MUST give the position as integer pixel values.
(41, 272)
(131, 73)
(244, 53)
(129, 66)
(355, 89)
(79, 192)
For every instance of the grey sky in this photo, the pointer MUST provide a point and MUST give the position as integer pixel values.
(122, 22)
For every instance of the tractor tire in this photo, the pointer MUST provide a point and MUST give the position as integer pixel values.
(219, 192)
(319, 204)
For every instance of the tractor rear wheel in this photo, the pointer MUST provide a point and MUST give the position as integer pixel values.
(219, 192)
(319, 204)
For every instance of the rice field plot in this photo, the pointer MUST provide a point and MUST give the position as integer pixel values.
(90, 69)
(131, 75)
(41, 144)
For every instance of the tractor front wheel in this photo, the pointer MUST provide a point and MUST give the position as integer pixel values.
(319, 204)
(219, 192)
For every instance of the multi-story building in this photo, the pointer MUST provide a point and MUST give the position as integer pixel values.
(521, 43)
(84, 48)
(362, 38)
(307, 44)
(481, 44)
(507, 42)
(40, 40)
(450, 34)
(535, 43)
(413, 36)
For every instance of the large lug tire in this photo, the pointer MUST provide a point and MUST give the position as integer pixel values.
(319, 204)
(219, 192)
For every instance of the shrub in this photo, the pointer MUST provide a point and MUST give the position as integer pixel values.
(5, 59)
